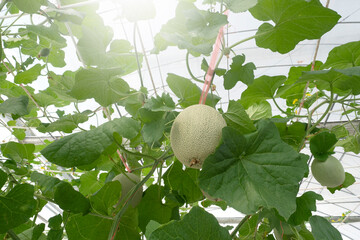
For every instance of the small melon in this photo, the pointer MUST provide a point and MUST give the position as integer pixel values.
(195, 134)
(127, 185)
(329, 173)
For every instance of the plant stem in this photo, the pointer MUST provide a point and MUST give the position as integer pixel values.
(233, 233)
(134, 153)
(281, 110)
(189, 70)
(126, 204)
(2, 4)
(326, 111)
(13, 22)
(13, 235)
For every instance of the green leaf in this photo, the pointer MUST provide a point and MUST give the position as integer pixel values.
(3, 178)
(28, 6)
(153, 131)
(163, 103)
(340, 131)
(259, 111)
(191, 29)
(33, 233)
(91, 227)
(65, 123)
(239, 72)
(90, 183)
(188, 92)
(349, 180)
(106, 198)
(101, 84)
(237, 118)
(247, 230)
(350, 144)
(310, 19)
(159, 212)
(56, 230)
(322, 229)
(85, 147)
(55, 222)
(18, 151)
(46, 183)
(69, 199)
(321, 145)
(16, 106)
(305, 204)
(29, 75)
(292, 134)
(49, 34)
(263, 88)
(236, 6)
(342, 80)
(19, 133)
(197, 224)
(152, 226)
(259, 169)
(343, 56)
(16, 207)
(184, 182)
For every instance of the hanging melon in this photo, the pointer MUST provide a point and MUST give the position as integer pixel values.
(329, 173)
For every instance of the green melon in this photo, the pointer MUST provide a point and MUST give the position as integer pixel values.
(195, 134)
(127, 185)
(329, 173)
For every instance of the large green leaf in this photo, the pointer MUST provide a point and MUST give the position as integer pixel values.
(292, 134)
(29, 75)
(69, 199)
(16, 207)
(235, 6)
(259, 110)
(159, 212)
(3, 178)
(56, 230)
(188, 92)
(28, 6)
(239, 72)
(197, 224)
(65, 124)
(191, 29)
(46, 183)
(342, 80)
(103, 85)
(34, 233)
(163, 103)
(344, 56)
(322, 229)
(322, 144)
(259, 169)
(349, 180)
(16, 106)
(85, 147)
(90, 183)
(304, 205)
(49, 34)
(184, 182)
(18, 151)
(62, 192)
(106, 198)
(91, 227)
(295, 21)
(263, 88)
(237, 118)
(350, 144)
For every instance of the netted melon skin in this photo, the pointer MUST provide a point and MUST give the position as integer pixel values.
(329, 173)
(195, 134)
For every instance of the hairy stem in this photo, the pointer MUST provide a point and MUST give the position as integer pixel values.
(233, 233)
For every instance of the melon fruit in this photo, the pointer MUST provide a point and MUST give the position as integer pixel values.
(195, 134)
(329, 173)
(127, 185)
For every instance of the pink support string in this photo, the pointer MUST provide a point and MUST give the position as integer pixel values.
(123, 161)
(211, 69)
